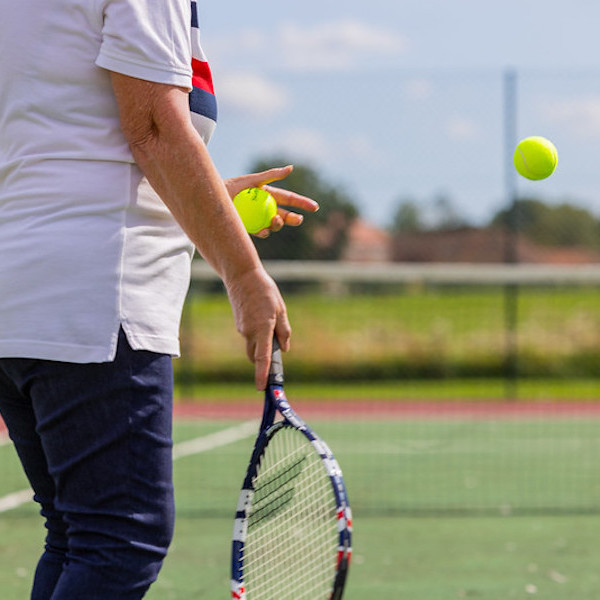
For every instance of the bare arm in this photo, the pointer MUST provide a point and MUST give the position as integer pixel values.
(156, 123)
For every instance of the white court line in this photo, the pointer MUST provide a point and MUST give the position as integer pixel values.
(15, 500)
(216, 440)
(189, 448)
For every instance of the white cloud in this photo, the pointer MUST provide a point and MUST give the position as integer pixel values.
(363, 149)
(304, 143)
(580, 115)
(251, 94)
(419, 89)
(314, 147)
(462, 128)
(336, 45)
(330, 45)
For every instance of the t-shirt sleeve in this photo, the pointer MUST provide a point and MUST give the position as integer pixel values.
(148, 39)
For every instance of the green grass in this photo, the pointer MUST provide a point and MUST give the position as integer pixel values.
(422, 333)
(452, 508)
(420, 559)
(398, 390)
(404, 559)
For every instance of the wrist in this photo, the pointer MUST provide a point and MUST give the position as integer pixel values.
(241, 276)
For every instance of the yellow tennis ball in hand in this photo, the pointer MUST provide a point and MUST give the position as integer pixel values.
(535, 158)
(256, 208)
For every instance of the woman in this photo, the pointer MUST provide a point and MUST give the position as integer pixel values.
(94, 265)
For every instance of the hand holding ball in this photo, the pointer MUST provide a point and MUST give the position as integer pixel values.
(256, 208)
(535, 158)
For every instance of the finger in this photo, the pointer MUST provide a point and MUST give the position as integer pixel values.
(289, 198)
(289, 218)
(262, 360)
(269, 176)
(277, 222)
(250, 350)
(276, 174)
(283, 331)
(282, 218)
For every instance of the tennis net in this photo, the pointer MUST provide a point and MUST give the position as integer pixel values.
(441, 389)
(456, 388)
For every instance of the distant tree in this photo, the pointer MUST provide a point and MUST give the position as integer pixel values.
(436, 214)
(445, 215)
(549, 225)
(575, 226)
(322, 235)
(408, 218)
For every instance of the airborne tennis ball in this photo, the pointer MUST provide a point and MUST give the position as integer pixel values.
(256, 208)
(535, 158)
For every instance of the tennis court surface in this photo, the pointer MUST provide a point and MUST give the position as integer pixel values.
(451, 499)
(462, 404)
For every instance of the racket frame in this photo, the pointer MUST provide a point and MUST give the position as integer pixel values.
(277, 402)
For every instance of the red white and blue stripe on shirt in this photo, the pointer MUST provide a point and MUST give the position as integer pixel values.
(202, 97)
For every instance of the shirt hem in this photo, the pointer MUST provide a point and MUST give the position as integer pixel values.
(73, 353)
(152, 343)
(58, 352)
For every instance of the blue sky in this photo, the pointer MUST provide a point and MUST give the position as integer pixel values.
(404, 99)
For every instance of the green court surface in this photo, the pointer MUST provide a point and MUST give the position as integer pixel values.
(453, 505)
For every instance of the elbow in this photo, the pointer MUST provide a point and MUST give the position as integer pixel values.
(148, 112)
(142, 139)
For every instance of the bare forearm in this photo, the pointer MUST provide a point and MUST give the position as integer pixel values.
(176, 162)
(186, 180)
(156, 123)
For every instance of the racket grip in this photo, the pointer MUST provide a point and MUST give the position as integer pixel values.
(276, 370)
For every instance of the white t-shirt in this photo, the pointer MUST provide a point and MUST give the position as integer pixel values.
(86, 246)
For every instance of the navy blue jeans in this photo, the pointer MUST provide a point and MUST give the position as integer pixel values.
(95, 442)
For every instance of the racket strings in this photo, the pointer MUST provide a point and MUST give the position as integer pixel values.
(275, 490)
(303, 563)
(291, 546)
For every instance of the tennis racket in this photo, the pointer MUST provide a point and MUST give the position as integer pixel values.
(291, 538)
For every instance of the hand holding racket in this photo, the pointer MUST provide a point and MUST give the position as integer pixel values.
(291, 538)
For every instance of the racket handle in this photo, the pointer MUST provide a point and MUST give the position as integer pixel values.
(276, 370)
